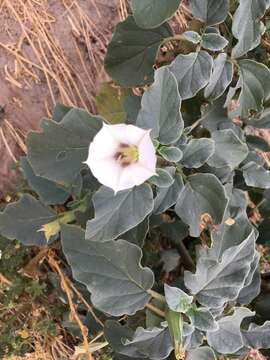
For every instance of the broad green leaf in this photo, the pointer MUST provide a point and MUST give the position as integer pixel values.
(192, 36)
(203, 194)
(228, 338)
(202, 353)
(132, 53)
(152, 13)
(214, 42)
(202, 319)
(197, 152)
(153, 344)
(257, 337)
(49, 192)
(211, 12)
(176, 231)
(160, 108)
(163, 179)
(263, 122)
(246, 26)
(192, 72)
(137, 234)
(229, 149)
(23, 220)
(110, 102)
(193, 340)
(170, 153)
(215, 117)
(167, 197)
(60, 111)
(132, 106)
(111, 272)
(256, 175)
(217, 282)
(220, 78)
(57, 153)
(255, 83)
(115, 214)
(252, 285)
(234, 230)
(177, 299)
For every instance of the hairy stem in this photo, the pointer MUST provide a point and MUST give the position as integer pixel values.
(155, 310)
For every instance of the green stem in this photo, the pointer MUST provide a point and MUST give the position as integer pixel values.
(155, 310)
(185, 257)
(157, 296)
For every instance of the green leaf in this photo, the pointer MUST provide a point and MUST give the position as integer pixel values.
(229, 149)
(192, 72)
(167, 197)
(228, 338)
(177, 299)
(255, 83)
(115, 214)
(163, 179)
(216, 117)
(256, 175)
(23, 219)
(246, 26)
(57, 153)
(214, 42)
(202, 194)
(217, 282)
(257, 337)
(263, 122)
(160, 109)
(252, 286)
(211, 12)
(132, 106)
(111, 272)
(193, 340)
(132, 53)
(202, 353)
(153, 344)
(60, 111)
(192, 36)
(48, 191)
(221, 77)
(110, 102)
(202, 319)
(197, 152)
(152, 13)
(172, 153)
(137, 234)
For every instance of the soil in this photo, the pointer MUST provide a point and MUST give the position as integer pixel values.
(50, 51)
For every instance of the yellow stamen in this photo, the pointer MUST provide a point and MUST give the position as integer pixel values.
(127, 154)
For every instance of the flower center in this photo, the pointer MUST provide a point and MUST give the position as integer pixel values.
(127, 154)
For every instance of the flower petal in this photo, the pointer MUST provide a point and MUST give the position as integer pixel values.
(127, 134)
(133, 175)
(107, 171)
(147, 153)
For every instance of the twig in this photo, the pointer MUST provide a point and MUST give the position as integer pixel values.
(65, 286)
(155, 310)
(157, 296)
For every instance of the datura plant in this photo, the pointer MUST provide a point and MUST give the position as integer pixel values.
(160, 216)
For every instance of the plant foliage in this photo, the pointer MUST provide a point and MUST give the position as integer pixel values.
(207, 98)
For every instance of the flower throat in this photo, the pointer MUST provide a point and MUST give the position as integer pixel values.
(127, 154)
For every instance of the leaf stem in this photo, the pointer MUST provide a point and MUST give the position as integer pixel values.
(157, 296)
(186, 258)
(155, 310)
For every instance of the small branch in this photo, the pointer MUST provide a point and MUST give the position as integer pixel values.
(69, 293)
(157, 296)
(155, 310)
(186, 258)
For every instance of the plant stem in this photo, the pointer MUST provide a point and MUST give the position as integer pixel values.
(157, 296)
(155, 310)
(185, 256)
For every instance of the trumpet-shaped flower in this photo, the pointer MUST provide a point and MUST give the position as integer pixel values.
(122, 156)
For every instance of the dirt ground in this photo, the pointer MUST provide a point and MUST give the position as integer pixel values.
(50, 51)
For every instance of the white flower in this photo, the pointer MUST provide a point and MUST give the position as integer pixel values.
(122, 156)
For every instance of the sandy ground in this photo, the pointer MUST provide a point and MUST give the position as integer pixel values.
(50, 51)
